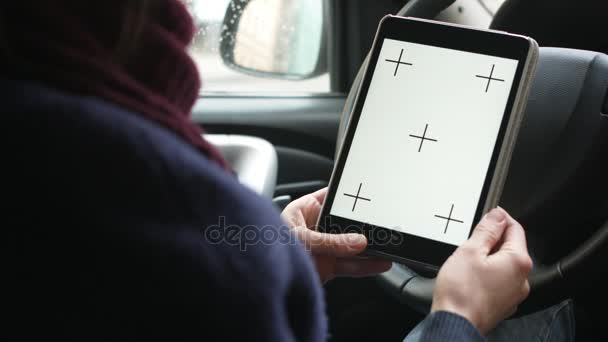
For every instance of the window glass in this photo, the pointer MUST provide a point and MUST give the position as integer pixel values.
(217, 77)
(492, 5)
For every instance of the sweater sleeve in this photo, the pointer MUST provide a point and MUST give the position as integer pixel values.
(444, 326)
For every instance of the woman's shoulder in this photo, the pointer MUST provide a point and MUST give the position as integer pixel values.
(107, 156)
(160, 216)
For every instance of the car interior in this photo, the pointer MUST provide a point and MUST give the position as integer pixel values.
(556, 185)
(283, 144)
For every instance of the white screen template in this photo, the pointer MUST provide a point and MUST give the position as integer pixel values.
(393, 178)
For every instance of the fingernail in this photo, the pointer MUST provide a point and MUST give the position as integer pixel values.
(496, 216)
(356, 239)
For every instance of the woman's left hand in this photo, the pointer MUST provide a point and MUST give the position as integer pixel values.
(334, 255)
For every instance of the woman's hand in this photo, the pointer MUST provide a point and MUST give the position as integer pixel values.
(334, 255)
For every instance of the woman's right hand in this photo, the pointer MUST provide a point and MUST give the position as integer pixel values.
(486, 278)
(334, 255)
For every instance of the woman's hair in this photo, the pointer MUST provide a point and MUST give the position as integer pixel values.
(135, 14)
(131, 53)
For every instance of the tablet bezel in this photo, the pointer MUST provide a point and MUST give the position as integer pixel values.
(397, 245)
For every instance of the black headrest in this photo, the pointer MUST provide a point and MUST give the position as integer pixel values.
(577, 24)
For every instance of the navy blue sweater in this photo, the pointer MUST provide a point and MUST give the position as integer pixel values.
(119, 235)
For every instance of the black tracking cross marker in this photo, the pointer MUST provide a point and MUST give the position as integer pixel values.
(449, 219)
(423, 138)
(358, 197)
(398, 63)
(490, 78)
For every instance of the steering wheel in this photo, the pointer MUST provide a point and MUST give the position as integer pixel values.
(557, 184)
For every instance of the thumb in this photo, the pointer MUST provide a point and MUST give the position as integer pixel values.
(514, 237)
(514, 246)
(489, 231)
(337, 245)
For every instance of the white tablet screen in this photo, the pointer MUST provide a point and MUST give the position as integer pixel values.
(425, 139)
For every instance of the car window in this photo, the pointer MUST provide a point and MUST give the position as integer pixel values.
(217, 77)
(491, 5)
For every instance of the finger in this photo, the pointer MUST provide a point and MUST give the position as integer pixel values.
(292, 213)
(337, 245)
(293, 216)
(489, 231)
(305, 210)
(514, 237)
(320, 195)
(514, 248)
(525, 290)
(313, 208)
(357, 268)
(512, 312)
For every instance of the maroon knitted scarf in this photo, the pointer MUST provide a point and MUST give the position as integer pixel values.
(75, 45)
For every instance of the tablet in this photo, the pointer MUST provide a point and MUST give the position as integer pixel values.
(429, 141)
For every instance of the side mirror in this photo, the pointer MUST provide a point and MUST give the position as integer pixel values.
(282, 39)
